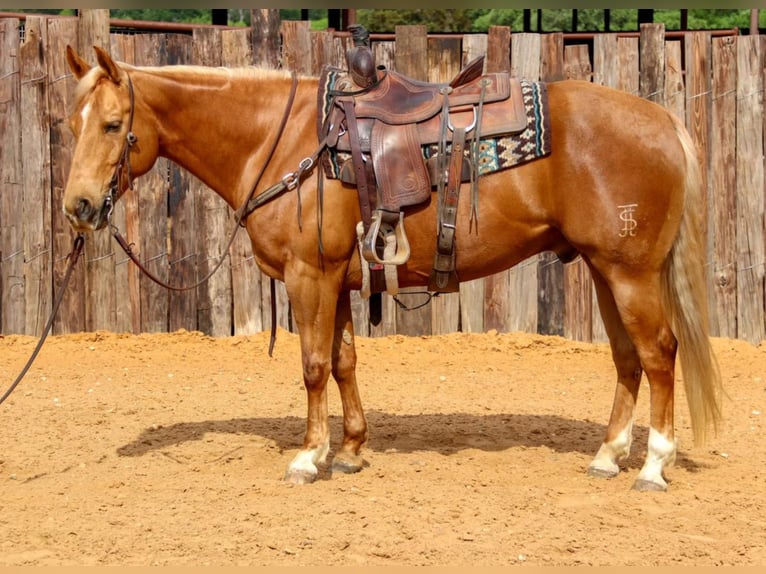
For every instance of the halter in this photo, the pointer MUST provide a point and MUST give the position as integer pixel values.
(123, 165)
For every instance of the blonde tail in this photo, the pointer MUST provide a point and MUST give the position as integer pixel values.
(685, 298)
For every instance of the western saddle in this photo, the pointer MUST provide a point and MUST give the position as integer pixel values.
(382, 122)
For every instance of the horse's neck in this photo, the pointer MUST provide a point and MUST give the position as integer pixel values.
(218, 126)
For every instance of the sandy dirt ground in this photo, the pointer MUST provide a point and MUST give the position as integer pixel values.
(170, 450)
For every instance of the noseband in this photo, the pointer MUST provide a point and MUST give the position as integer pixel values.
(123, 165)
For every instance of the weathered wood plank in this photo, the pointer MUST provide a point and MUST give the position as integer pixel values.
(750, 182)
(499, 49)
(444, 62)
(267, 55)
(151, 189)
(12, 289)
(698, 89)
(472, 292)
(297, 57)
(385, 55)
(550, 271)
(675, 90)
(578, 285)
(246, 278)
(698, 86)
(214, 297)
(265, 25)
(497, 286)
(628, 75)
(322, 50)
(35, 145)
(412, 60)
(577, 64)
(183, 233)
(552, 57)
(63, 31)
(296, 46)
(444, 59)
(652, 62)
(411, 49)
(723, 179)
(605, 60)
(474, 45)
(522, 279)
(127, 275)
(99, 255)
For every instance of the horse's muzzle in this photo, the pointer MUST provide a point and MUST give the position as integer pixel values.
(84, 216)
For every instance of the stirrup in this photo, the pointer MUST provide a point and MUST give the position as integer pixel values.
(379, 228)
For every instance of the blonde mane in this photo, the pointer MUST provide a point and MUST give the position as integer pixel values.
(182, 71)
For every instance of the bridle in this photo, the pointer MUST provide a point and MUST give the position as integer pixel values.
(123, 165)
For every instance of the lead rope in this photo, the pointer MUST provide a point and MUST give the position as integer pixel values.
(72, 257)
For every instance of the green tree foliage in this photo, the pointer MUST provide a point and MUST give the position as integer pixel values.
(548, 20)
(460, 20)
(163, 15)
(705, 19)
(435, 20)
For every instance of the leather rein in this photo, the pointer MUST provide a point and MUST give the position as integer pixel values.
(252, 202)
(77, 247)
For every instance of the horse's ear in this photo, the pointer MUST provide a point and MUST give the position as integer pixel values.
(107, 64)
(78, 66)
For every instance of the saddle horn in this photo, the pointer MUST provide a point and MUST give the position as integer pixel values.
(360, 59)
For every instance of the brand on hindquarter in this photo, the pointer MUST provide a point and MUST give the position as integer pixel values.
(629, 224)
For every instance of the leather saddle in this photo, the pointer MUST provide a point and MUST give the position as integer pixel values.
(383, 121)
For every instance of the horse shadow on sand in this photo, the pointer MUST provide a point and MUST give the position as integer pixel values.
(446, 434)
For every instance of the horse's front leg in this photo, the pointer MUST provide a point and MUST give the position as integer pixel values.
(314, 300)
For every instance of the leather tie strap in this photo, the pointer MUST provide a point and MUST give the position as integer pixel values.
(359, 164)
(443, 276)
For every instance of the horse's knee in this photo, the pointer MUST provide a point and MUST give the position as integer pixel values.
(315, 371)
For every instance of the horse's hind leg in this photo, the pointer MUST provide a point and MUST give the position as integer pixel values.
(639, 304)
(348, 459)
(618, 438)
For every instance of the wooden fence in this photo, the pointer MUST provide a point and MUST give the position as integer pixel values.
(179, 227)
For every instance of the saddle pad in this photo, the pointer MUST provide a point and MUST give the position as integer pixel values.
(504, 152)
(495, 153)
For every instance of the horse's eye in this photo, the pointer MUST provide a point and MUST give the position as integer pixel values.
(112, 127)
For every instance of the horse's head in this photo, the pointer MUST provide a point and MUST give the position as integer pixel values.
(114, 141)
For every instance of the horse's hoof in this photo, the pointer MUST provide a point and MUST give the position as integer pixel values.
(643, 485)
(345, 466)
(597, 472)
(300, 477)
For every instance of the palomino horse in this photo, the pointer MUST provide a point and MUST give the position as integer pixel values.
(610, 149)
